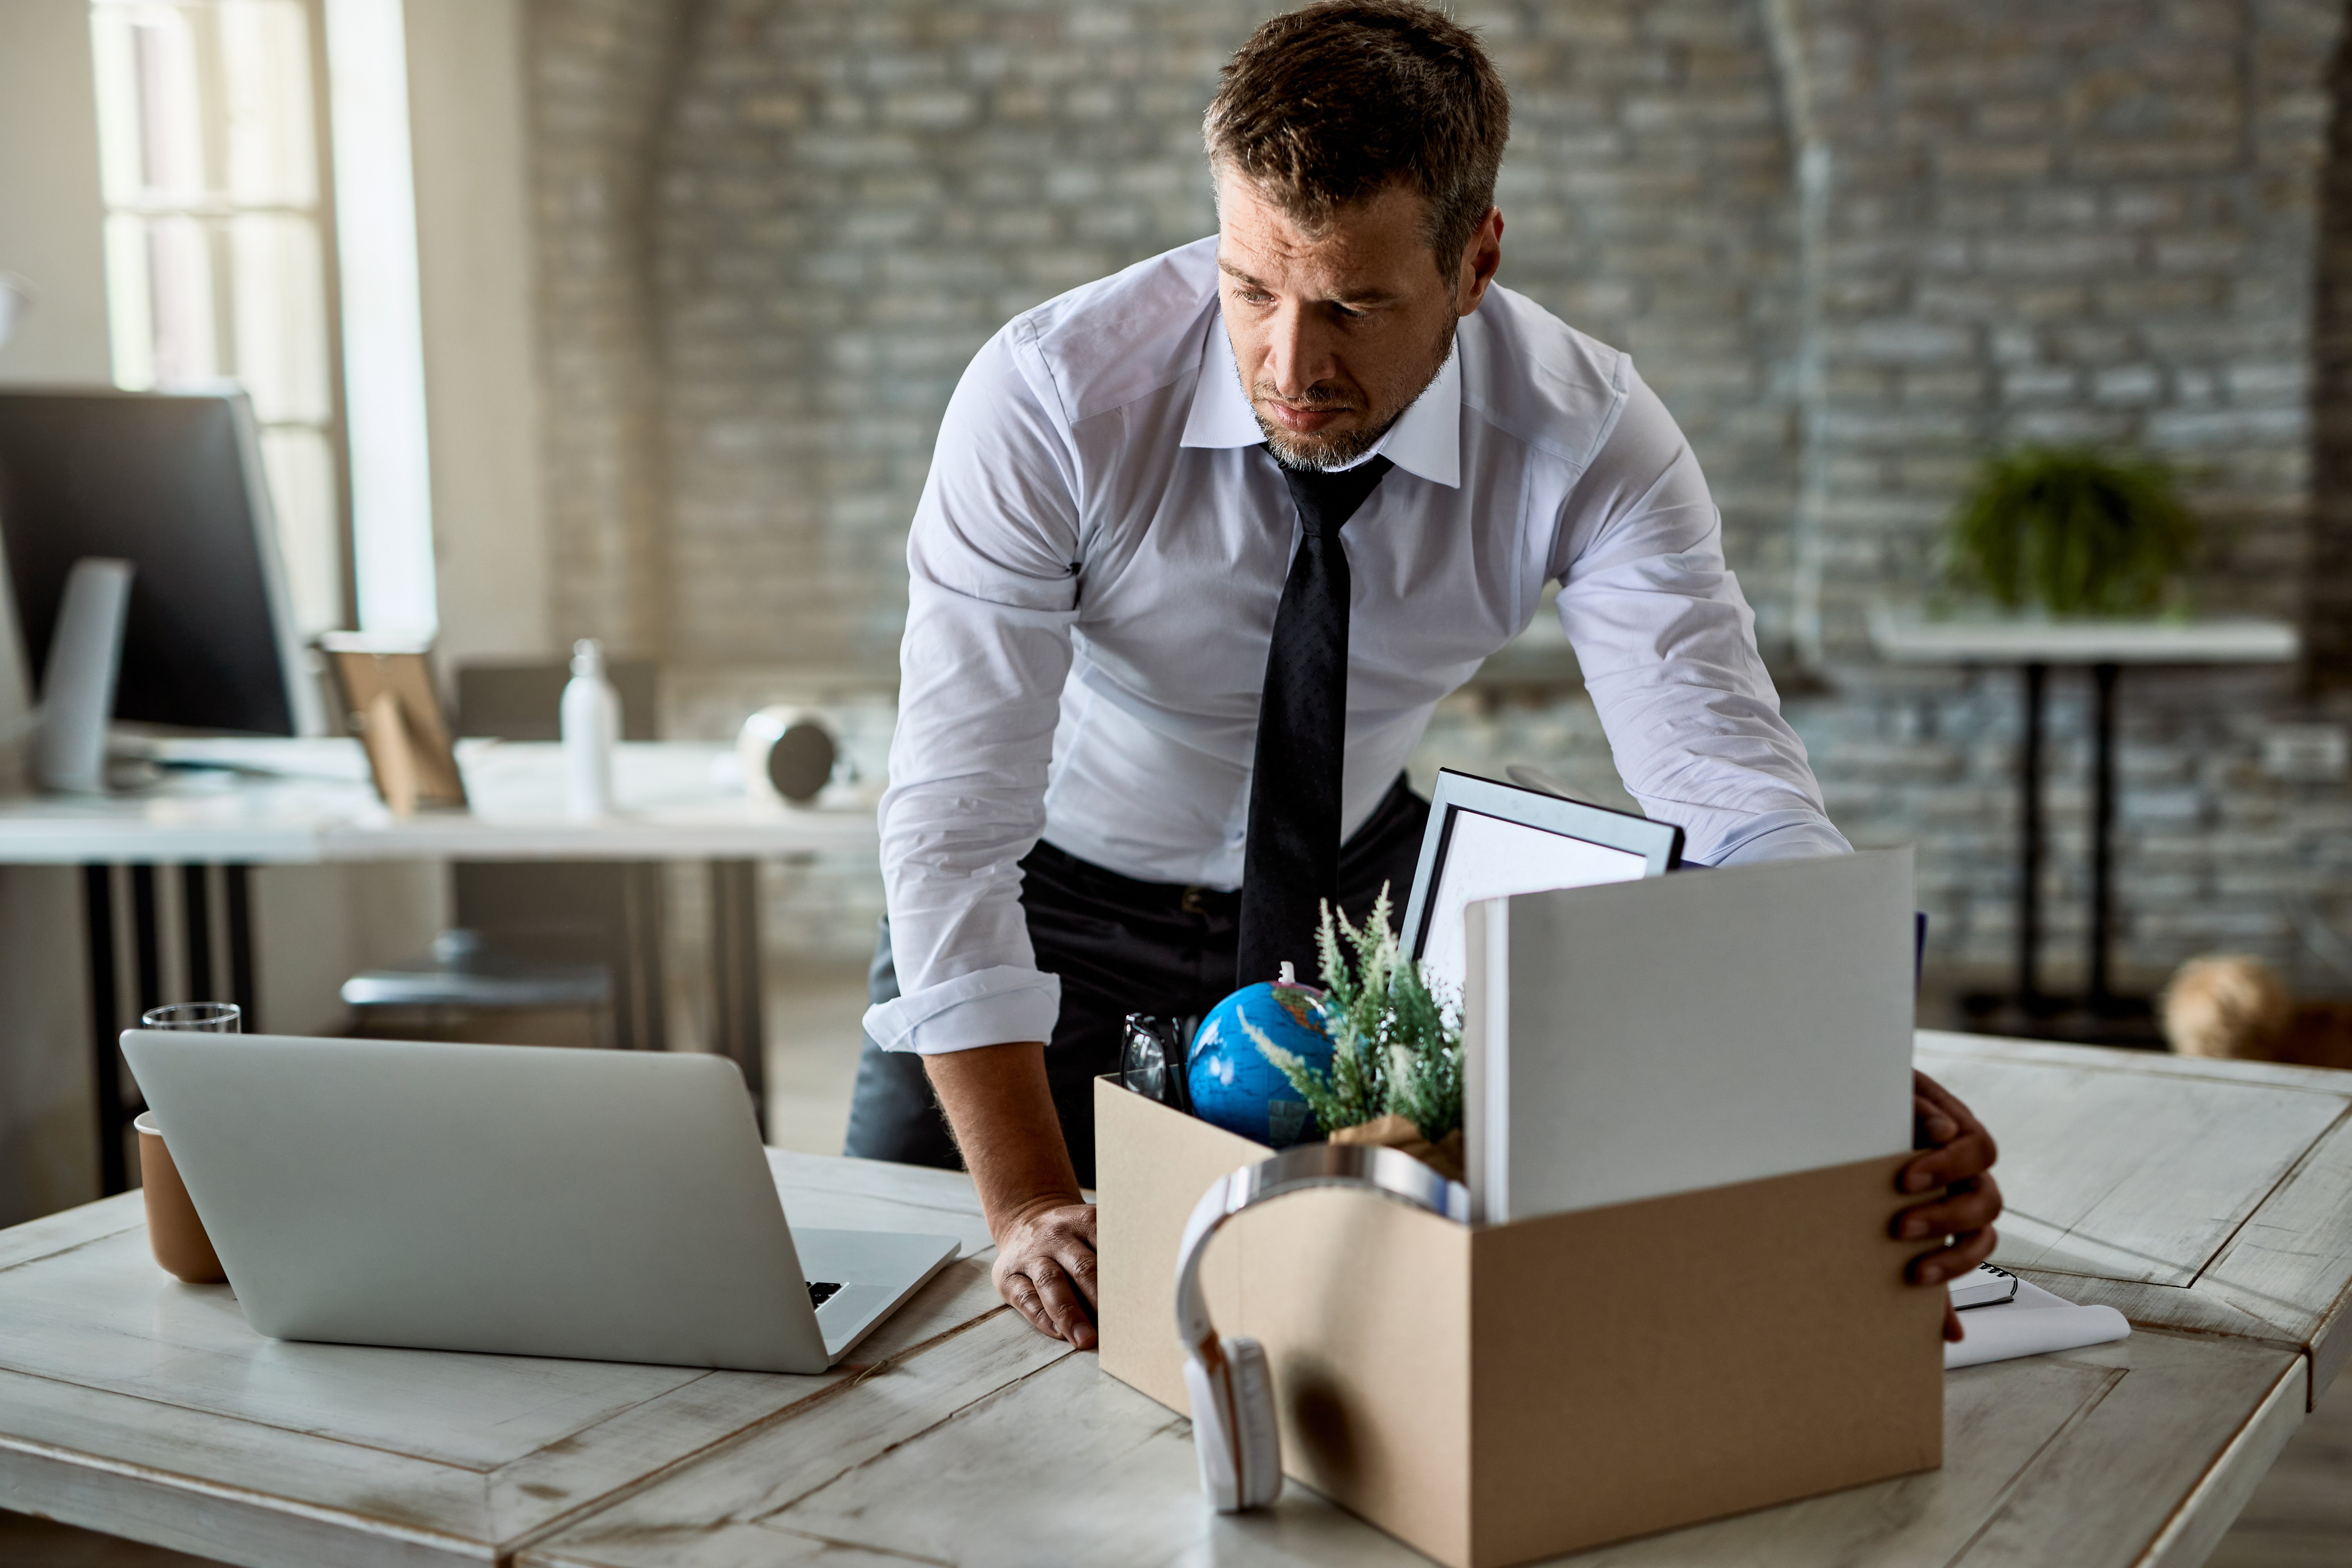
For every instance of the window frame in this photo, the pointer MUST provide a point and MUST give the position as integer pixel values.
(216, 206)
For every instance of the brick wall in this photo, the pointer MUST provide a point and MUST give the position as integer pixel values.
(1648, 200)
(858, 194)
(602, 78)
(2088, 222)
(854, 196)
(1851, 242)
(2095, 222)
(2331, 356)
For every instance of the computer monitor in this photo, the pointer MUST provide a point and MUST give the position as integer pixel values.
(1487, 840)
(173, 483)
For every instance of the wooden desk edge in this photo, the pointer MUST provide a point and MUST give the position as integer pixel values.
(2200, 1519)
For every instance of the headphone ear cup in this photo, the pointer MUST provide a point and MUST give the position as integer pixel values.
(1259, 1435)
(1212, 1443)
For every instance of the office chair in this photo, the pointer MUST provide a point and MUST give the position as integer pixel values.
(569, 936)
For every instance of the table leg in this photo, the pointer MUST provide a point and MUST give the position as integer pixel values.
(236, 883)
(2029, 851)
(735, 974)
(2102, 823)
(147, 936)
(196, 922)
(105, 1054)
(645, 1024)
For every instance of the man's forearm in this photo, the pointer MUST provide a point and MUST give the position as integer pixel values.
(1001, 1108)
(999, 1103)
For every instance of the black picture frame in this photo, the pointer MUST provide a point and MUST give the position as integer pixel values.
(1660, 844)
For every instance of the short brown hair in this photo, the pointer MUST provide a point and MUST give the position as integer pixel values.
(1331, 104)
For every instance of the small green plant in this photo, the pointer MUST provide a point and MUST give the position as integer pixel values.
(2073, 530)
(1396, 1051)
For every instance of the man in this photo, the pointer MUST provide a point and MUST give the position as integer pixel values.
(1201, 545)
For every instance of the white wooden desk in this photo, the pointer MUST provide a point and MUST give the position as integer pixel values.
(314, 806)
(673, 800)
(2211, 1197)
(136, 1405)
(132, 1403)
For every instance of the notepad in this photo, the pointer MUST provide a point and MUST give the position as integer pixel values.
(1641, 1038)
(2034, 1323)
(1986, 1285)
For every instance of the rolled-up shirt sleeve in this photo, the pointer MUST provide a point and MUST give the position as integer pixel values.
(993, 558)
(1668, 646)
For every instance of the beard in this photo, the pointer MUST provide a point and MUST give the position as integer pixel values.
(1323, 452)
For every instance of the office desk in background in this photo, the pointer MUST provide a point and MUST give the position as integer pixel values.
(136, 1406)
(312, 805)
(2103, 646)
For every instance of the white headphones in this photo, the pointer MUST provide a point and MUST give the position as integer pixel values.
(1233, 1424)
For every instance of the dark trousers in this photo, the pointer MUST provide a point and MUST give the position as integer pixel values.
(1120, 946)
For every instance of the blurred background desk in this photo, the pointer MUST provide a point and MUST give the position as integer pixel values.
(307, 803)
(2104, 648)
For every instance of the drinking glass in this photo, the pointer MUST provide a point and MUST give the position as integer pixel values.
(204, 1017)
(174, 1230)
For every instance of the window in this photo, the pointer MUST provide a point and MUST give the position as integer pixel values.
(220, 268)
(216, 234)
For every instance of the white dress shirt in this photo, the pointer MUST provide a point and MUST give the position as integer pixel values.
(1096, 563)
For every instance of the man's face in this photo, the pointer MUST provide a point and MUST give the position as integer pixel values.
(1337, 330)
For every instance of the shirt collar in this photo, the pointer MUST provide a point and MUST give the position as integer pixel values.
(1426, 441)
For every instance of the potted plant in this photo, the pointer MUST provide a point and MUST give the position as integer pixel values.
(1395, 1077)
(2074, 531)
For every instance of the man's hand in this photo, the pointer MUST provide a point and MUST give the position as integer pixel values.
(1959, 1158)
(1045, 1268)
(998, 1101)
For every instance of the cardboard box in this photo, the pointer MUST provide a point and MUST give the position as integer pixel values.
(1494, 1395)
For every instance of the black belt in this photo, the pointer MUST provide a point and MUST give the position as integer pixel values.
(1130, 892)
(1384, 848)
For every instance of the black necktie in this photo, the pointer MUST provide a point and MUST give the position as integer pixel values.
(1292, 862)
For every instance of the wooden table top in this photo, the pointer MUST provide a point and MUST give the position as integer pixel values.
(135, 1405)
(2213, 1198)
(2192, 1195)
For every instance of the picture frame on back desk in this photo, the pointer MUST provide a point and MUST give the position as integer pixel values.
(390, 703)
(1488, 839)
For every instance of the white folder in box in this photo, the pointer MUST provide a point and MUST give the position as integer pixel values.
(1640, 1038)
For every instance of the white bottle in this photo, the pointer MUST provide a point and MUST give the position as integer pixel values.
(592, 726)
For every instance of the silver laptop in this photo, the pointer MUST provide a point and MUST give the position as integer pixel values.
(610, 1206)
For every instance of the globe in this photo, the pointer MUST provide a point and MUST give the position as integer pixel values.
(1235, 1087)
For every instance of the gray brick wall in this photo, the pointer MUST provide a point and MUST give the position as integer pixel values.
(1648, 200)
(856, 195)
(1853, 243)
(2330, 611)
(2089, 222)
(602, 77)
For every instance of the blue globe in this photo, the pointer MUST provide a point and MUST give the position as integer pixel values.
(1235, 1087)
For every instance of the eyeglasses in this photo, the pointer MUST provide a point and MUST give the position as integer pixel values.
(1151, 1059)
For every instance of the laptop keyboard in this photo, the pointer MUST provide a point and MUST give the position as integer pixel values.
(820, 1292)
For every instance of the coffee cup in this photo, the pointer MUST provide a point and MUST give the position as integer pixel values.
(174, 1230)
